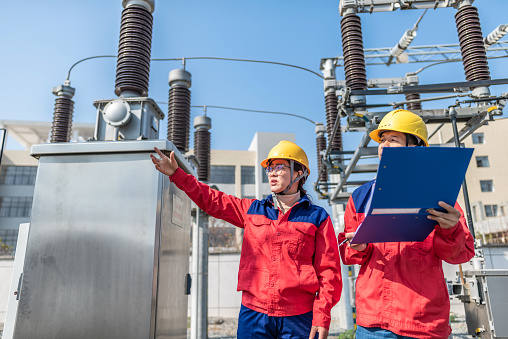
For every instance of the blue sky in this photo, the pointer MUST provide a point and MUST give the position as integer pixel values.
(41, 39)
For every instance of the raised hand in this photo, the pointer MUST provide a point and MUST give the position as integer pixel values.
(164, 165)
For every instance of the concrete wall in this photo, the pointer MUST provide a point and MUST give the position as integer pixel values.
(223, 299)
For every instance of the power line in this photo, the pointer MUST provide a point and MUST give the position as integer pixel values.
(245, 60)
(201, 58)
(249, 110)
(92, 57)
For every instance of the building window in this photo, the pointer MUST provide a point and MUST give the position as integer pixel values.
(265, 177)
(15, 207)
(248, 175)
(482, 161)
(487, 185)
(18, 175)
(490, 210)
(478, 138)
(222, 174)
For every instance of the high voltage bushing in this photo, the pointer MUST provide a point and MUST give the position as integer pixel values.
(352, 48)
(134, 49)
(62, 117)
(202, 146)
(332, 112)
(179, 109)
(413, 105)
(320, 147)
(471, 42)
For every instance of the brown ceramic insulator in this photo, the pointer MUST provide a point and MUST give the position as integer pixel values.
(202, 147)
(352, 48)
(321, 146)
(179, 117)
(413, 105)
(471, 42)
(62, 120)
(332, 111)
(134, 50)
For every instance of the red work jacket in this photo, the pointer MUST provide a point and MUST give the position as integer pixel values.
(289, 262)
(401, 285)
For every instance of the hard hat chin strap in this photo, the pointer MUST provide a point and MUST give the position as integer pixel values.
(292, 167)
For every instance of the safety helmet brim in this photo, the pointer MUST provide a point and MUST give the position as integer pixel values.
(403, 121)
(289, 151)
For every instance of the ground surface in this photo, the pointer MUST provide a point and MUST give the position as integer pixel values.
(225, 328)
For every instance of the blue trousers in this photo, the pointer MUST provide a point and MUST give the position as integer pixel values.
(376, 333)
(256, 325)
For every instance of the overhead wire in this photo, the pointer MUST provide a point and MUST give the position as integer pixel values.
(249, 110)
(201, 58)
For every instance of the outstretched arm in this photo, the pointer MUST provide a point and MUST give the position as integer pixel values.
(215, 203)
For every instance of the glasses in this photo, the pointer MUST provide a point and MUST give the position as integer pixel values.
(275, 170)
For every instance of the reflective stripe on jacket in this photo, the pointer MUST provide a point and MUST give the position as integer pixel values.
(289, 262)
(401, 285)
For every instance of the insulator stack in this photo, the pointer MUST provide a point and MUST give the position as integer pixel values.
(352, 48)
(495, 35)
(332, 111)
(179, 109)
(202, 146)
(413, 105)
(471, 42)
(134, 49)
(62, 117)
(320, 147)
(402, 45)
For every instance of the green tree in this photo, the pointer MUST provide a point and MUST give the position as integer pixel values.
(5, 249)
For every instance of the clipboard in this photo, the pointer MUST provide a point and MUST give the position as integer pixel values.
(409, 181)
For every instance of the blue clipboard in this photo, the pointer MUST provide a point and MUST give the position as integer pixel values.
(409, 181)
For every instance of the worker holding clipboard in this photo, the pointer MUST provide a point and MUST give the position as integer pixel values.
(399, 235)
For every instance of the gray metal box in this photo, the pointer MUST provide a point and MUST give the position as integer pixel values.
(134, 118)
(108, 248)
(486, 303)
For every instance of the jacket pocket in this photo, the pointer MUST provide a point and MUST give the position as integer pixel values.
(302, 242)
(258, 232)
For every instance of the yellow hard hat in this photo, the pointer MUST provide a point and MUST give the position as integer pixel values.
(401, 120)
(287, 150)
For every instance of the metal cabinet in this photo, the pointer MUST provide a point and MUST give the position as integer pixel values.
(108, 249)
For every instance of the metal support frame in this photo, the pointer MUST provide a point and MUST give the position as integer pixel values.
(336, 195)
(371, 6)
(4, 134)
(453, 118)
(420, 54)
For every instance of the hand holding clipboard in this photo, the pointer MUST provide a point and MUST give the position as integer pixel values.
(410, 181)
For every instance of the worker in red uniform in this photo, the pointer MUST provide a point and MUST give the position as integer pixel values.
(401, 291)
(288, 272)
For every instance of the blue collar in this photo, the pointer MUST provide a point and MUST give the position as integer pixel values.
(303, 200)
